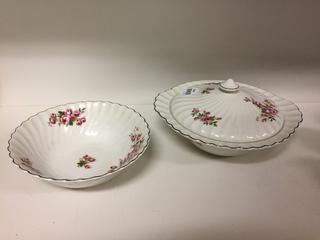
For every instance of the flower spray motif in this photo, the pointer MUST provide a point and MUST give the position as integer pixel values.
(137, 141)
(68, 117)
(267, 108)
(85, 161)
(205, 117)
(26, 162)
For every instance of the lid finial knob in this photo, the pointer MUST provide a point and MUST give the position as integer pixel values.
(229, 85)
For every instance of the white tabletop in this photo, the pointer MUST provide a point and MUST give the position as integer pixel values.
(174, 191)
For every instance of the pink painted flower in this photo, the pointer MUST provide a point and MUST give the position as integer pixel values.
(79, 122)
(122, 162)
(52, 119)
(131, 154)
(91, 159)
(65, 120)
(76, 113)
(138, 136)
(132, 137)
(87, 166)
(26, 161)
(68, 112)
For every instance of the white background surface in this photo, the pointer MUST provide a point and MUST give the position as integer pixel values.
(52, 52)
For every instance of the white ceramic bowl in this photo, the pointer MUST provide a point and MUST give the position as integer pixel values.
(79, 144)
(227, 118)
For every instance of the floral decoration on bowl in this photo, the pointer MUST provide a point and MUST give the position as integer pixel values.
(113, 137)
(68, 117)
(85, 161)
(137, 142)
(26, 162)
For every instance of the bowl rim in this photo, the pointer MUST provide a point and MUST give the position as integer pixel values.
(117, 170)
(211, 144)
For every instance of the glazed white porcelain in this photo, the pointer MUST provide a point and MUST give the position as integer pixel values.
(228, 118)
(79, 144)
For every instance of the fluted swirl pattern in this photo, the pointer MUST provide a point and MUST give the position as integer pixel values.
(52, 152)
(237, 119)
(289, 114)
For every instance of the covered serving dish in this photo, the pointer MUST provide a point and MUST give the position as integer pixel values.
(228, 118)
(79, 144)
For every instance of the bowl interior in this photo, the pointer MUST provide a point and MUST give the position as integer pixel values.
(78, 141)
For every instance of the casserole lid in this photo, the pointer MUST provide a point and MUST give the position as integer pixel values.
(227, 112)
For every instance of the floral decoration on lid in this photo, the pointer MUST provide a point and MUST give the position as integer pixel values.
(225, 113)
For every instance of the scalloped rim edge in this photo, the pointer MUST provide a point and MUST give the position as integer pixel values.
(80, 179)
(197, 140)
